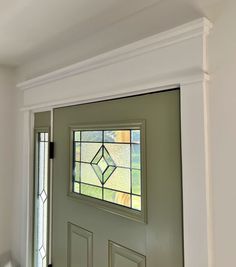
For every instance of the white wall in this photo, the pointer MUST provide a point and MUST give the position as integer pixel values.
(7, 156)
(222, 59)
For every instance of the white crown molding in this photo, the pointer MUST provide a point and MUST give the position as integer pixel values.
(181, 33)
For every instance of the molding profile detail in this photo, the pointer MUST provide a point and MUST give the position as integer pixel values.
(79, 254)
(119, 253)
(181, 33)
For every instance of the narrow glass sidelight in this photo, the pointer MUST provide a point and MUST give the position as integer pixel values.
(107, 165)
(41, 199)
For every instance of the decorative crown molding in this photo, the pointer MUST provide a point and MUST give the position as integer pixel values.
(186, 31)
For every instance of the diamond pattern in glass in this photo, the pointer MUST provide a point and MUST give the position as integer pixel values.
(103, 165)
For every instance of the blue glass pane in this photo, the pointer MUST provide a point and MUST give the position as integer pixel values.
(91, 136)
(135, 136)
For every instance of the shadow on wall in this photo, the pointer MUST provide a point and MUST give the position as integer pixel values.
(7, 261)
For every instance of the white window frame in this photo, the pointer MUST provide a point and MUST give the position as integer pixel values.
(176, 58)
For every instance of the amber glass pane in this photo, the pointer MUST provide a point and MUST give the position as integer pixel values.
(117, 197)
(117, 136)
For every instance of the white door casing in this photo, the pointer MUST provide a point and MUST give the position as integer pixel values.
(175, 58)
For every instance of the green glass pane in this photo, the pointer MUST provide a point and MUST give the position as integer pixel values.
(91, 136)
(77, 136)
(77, 171)
(91, 191)
(88, 151)
(120, 154)
(119, 180)
(136, 202)
(135, 136)
(108, 173)
(88, 175)
(117, 197)
(76, 188)
(77, 151)
(136, 182)
(120, 136)
(136, 156)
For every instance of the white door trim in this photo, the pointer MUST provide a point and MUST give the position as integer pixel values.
(136, 73)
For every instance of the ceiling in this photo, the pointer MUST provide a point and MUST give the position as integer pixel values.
(31, 27)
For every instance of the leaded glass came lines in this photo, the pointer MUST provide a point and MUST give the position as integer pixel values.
(41, 202)
(107, 165)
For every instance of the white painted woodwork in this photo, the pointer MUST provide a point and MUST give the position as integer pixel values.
(173, 58)
(120, 256)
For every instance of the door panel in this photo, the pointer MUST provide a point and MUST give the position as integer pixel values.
(160, 239)
(80, 246)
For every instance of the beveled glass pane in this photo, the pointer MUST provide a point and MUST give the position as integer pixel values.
(88, 151)
(77, 136)
(120, 153)
(135, 136)
(136, 202)
(120, 136)
(88, 175)
(91, 136)
(97, 156)
(108, 173)
(117, 197)
(77, 151)
(91, 191)
(102, 164)
(119, 180)
(108, 157)
(76, 187)
(136, 182)
(136, 156)
(77, 171)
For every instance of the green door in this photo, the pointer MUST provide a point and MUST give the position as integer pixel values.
(101, 219)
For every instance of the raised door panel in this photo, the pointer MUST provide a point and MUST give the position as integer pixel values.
(80, 245)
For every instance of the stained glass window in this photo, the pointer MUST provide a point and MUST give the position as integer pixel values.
(107, 165)
(41, 200)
